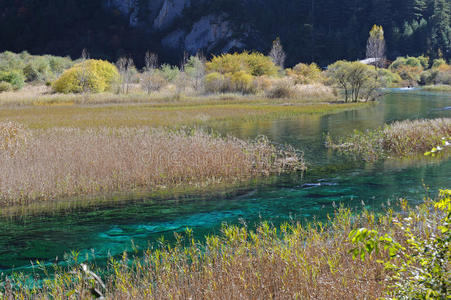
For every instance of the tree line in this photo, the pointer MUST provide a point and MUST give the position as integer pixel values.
(320, 31)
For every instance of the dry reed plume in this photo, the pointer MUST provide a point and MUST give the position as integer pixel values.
(61, 163)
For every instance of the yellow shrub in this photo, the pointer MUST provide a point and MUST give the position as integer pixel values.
(255, 64)
(90, 76)
(306, 74)
(242, 82)
(214, 82)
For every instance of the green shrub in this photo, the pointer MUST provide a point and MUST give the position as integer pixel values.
(391, 79)
(14, 78)
(428, 77)
(34, 67)
(59, 64)
(418, 257)
(410, 68)
(357, 80)
(169, 72)
(438, 62)
(5, 86)
(88, 76)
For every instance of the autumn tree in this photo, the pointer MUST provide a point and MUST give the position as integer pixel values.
(375, 47)
(357, 80)
(149, 80)
(277, 53)
(127, 70)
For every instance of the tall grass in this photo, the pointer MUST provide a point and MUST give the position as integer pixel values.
(287, 262)
(66, 162)
(437, 88)
(399, 139)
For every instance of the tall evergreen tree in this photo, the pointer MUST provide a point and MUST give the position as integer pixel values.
(441, 29)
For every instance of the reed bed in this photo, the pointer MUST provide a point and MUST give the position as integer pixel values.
(44, 165)
(44, 96)
(292, 261)
(400, 139)
(167, 115)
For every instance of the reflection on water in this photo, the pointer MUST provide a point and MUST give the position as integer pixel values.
(330, 181)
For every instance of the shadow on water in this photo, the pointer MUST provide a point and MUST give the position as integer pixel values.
(330, 181)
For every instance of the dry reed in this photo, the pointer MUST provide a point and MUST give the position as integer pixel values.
(399, 139)
(65, 162)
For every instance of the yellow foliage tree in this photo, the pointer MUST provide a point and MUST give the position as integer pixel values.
(306, 74)
(255, 64)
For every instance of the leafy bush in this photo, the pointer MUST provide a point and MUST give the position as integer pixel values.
(410, 74)
(391, 79)
(215, 82)
(439, 62)
(169, 72)
(33, 67)
(357, 80)
(255, 64)
(14, 78)
(306, 74)
(5, 86)
(242, 82)
(91, 75)
(419, 256)
(282, 89)
(410, 68)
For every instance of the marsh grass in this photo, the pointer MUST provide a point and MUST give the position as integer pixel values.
(62, 163)
(292, 261)
(43, 96)
(167, 115)
(437, 88)
(399, 139)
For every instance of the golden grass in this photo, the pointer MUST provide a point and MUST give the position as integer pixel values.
(287, 262)
(81, 116)
(61, 163)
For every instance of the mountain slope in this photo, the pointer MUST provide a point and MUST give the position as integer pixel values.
(310, 30)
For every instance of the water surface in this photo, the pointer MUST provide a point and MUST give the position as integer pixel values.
(330, 181)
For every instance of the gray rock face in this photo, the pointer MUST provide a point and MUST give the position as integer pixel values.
(170, 10)
(209, 32)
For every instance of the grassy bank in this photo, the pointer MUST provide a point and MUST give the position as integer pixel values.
(390, 255)
(437, 88)
(42, 95)
(43, 165)
(400, 139)
(163, 115)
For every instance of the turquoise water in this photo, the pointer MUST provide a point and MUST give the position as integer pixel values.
(330, 181)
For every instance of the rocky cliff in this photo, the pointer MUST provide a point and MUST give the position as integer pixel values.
(207, 31)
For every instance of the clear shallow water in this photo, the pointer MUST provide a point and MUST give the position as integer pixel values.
(330, 181)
